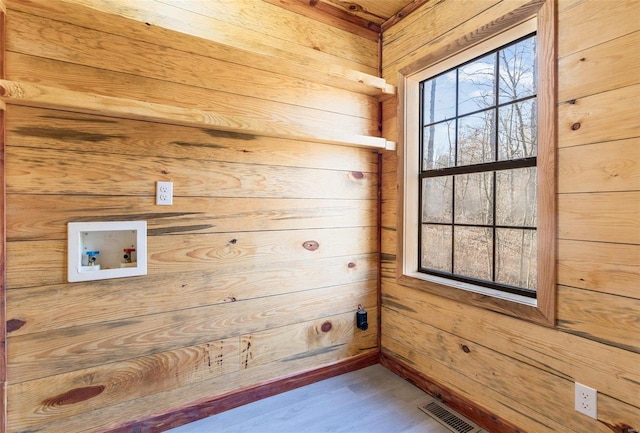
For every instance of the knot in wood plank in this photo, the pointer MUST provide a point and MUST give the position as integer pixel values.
(14, 324)
(326, 326)
(310, 245)
(74, 396)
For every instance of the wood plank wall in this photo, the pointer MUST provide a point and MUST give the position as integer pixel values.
(232, 297)
(522, 372)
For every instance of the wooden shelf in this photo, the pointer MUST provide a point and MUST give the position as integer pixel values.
(33, 95)
(183, 30)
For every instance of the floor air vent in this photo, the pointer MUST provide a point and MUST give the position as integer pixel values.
(449, 419)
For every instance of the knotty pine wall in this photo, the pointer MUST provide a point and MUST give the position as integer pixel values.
(519, 371)
(232, 297)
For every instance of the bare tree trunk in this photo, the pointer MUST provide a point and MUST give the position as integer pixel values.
(432, 128)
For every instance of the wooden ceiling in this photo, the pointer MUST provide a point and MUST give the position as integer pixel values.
(368, 18)
(376, 11)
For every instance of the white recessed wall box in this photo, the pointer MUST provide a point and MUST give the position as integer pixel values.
(103, 250)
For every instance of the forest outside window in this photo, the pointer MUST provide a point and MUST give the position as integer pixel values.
(478, 194)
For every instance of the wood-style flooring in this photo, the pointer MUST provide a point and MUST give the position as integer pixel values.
(371, 400)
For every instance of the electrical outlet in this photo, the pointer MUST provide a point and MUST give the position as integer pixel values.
(586, 400)
(164, 193)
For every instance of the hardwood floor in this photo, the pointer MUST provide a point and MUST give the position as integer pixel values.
(371, 400)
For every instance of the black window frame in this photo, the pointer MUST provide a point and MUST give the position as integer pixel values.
(492, 166)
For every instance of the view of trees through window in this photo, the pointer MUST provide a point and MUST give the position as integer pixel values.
(478, 170)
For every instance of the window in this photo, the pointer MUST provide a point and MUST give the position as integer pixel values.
(478, 212)
(478, 170)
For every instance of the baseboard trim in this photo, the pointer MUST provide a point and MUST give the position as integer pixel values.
(244, 396)
(471, 410)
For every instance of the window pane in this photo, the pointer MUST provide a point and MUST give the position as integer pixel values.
(439, 98)
(476, 85)
(436, 247)
(516, 257)
(439, 145)
(516, 197)
(476, 138)
(518, 130)
(474, 198)
(479, 122)
(437, 199)
(518, 70)
(473, 252)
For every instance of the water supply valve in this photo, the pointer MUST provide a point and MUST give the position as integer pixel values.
(91, 257)
(361, 318)
(90, 261)
(127, 254)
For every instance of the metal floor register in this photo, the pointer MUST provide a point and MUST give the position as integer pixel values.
(449, 418)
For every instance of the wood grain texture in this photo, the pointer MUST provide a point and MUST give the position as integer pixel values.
(3, 230)
(22, 93)
(600, 217)
(120, 84)
(610, 319)
(560, 354)
(334, 333)
(43, 308)
(373, 10)
(81, 347)
(603, 267)
(442, 355)
(154, 20)
(614, 19)
(600, 167)
(547, 164)
(405, 37)
(288, 27)
(118, 417)
(589, 119)
(58, 172)
(31, 218)
(401, 14)
(53, 129)
(47, 399)
(184, 253)
(604, 67)
(333, 15)
(617, 420)
(92, 48)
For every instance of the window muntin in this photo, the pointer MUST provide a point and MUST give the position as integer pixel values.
(478, 173)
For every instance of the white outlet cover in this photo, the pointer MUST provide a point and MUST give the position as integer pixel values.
(164, 193)
(586, 400)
